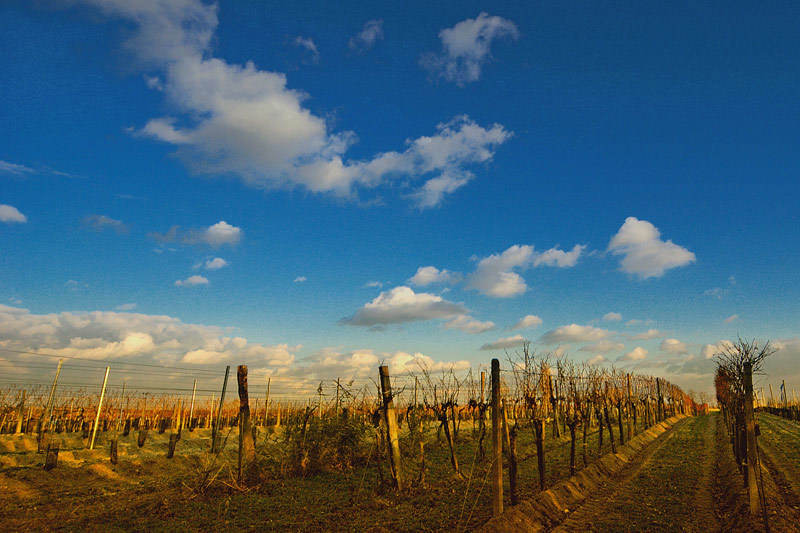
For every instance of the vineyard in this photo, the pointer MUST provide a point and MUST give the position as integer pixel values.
(535, 441)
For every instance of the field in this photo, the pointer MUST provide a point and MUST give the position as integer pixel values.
(581, 451)
(684, 480)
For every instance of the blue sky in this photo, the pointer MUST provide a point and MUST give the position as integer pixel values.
(208, 184)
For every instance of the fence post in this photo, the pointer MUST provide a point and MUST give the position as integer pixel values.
(191, 407)
(750, 428)
(630, 409)
(20, 413)
(99, 408)
(659, 416)
(247, 449)
(216, 428)
(497, 445)
(391, 425)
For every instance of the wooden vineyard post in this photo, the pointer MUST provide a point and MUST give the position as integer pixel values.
(266, 403)
(52, 399)
(337, 397)
(191, 407)
(215, 431)
(750, 427)
(554, 404)
(121, 410)
(44, 421)
(20, 413)
(497, 446)
(659, 416)
(51, 460)
(511, 455)
(391, 427)
(247, 448)
(630, 409)
(113, 455)
(99, 408)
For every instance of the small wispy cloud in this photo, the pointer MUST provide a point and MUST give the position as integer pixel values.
(308, 44)
(216, 263)
(300, 279)
(102, 222)
(217, 235)
(371, 33)
(15, 168)
(733, 318)
(191, 281)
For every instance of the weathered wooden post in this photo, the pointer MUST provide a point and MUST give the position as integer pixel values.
(99, 409)
(391, 427)
(113, 455)
(659, 416)
(52, 399)
(191, 407)
(511, 455)
(750, 427)
(554, 404)
(51, 460)
(247, 448)
(266, 403)
(216, 429)
(630, 408)
(20, 413)
(497, 446)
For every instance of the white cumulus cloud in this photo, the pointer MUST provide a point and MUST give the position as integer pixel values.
(215, 235)
(528, 321)
(596, 360)
(134, 337)
(191, 280)
(575, 333)
(643, 251)
(647, 335)
(216, 263)
(556, 257)
(673, 346)
(230, 119)
(504, 343)
(494, 275)
(430, 274)
(402, 304)
(222, 233)
(466, 48)
(469, 325)
(9, 214)
(637, 354)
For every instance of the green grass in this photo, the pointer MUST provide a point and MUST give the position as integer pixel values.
(661, 495)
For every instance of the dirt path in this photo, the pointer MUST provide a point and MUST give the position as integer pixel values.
(667, 488)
